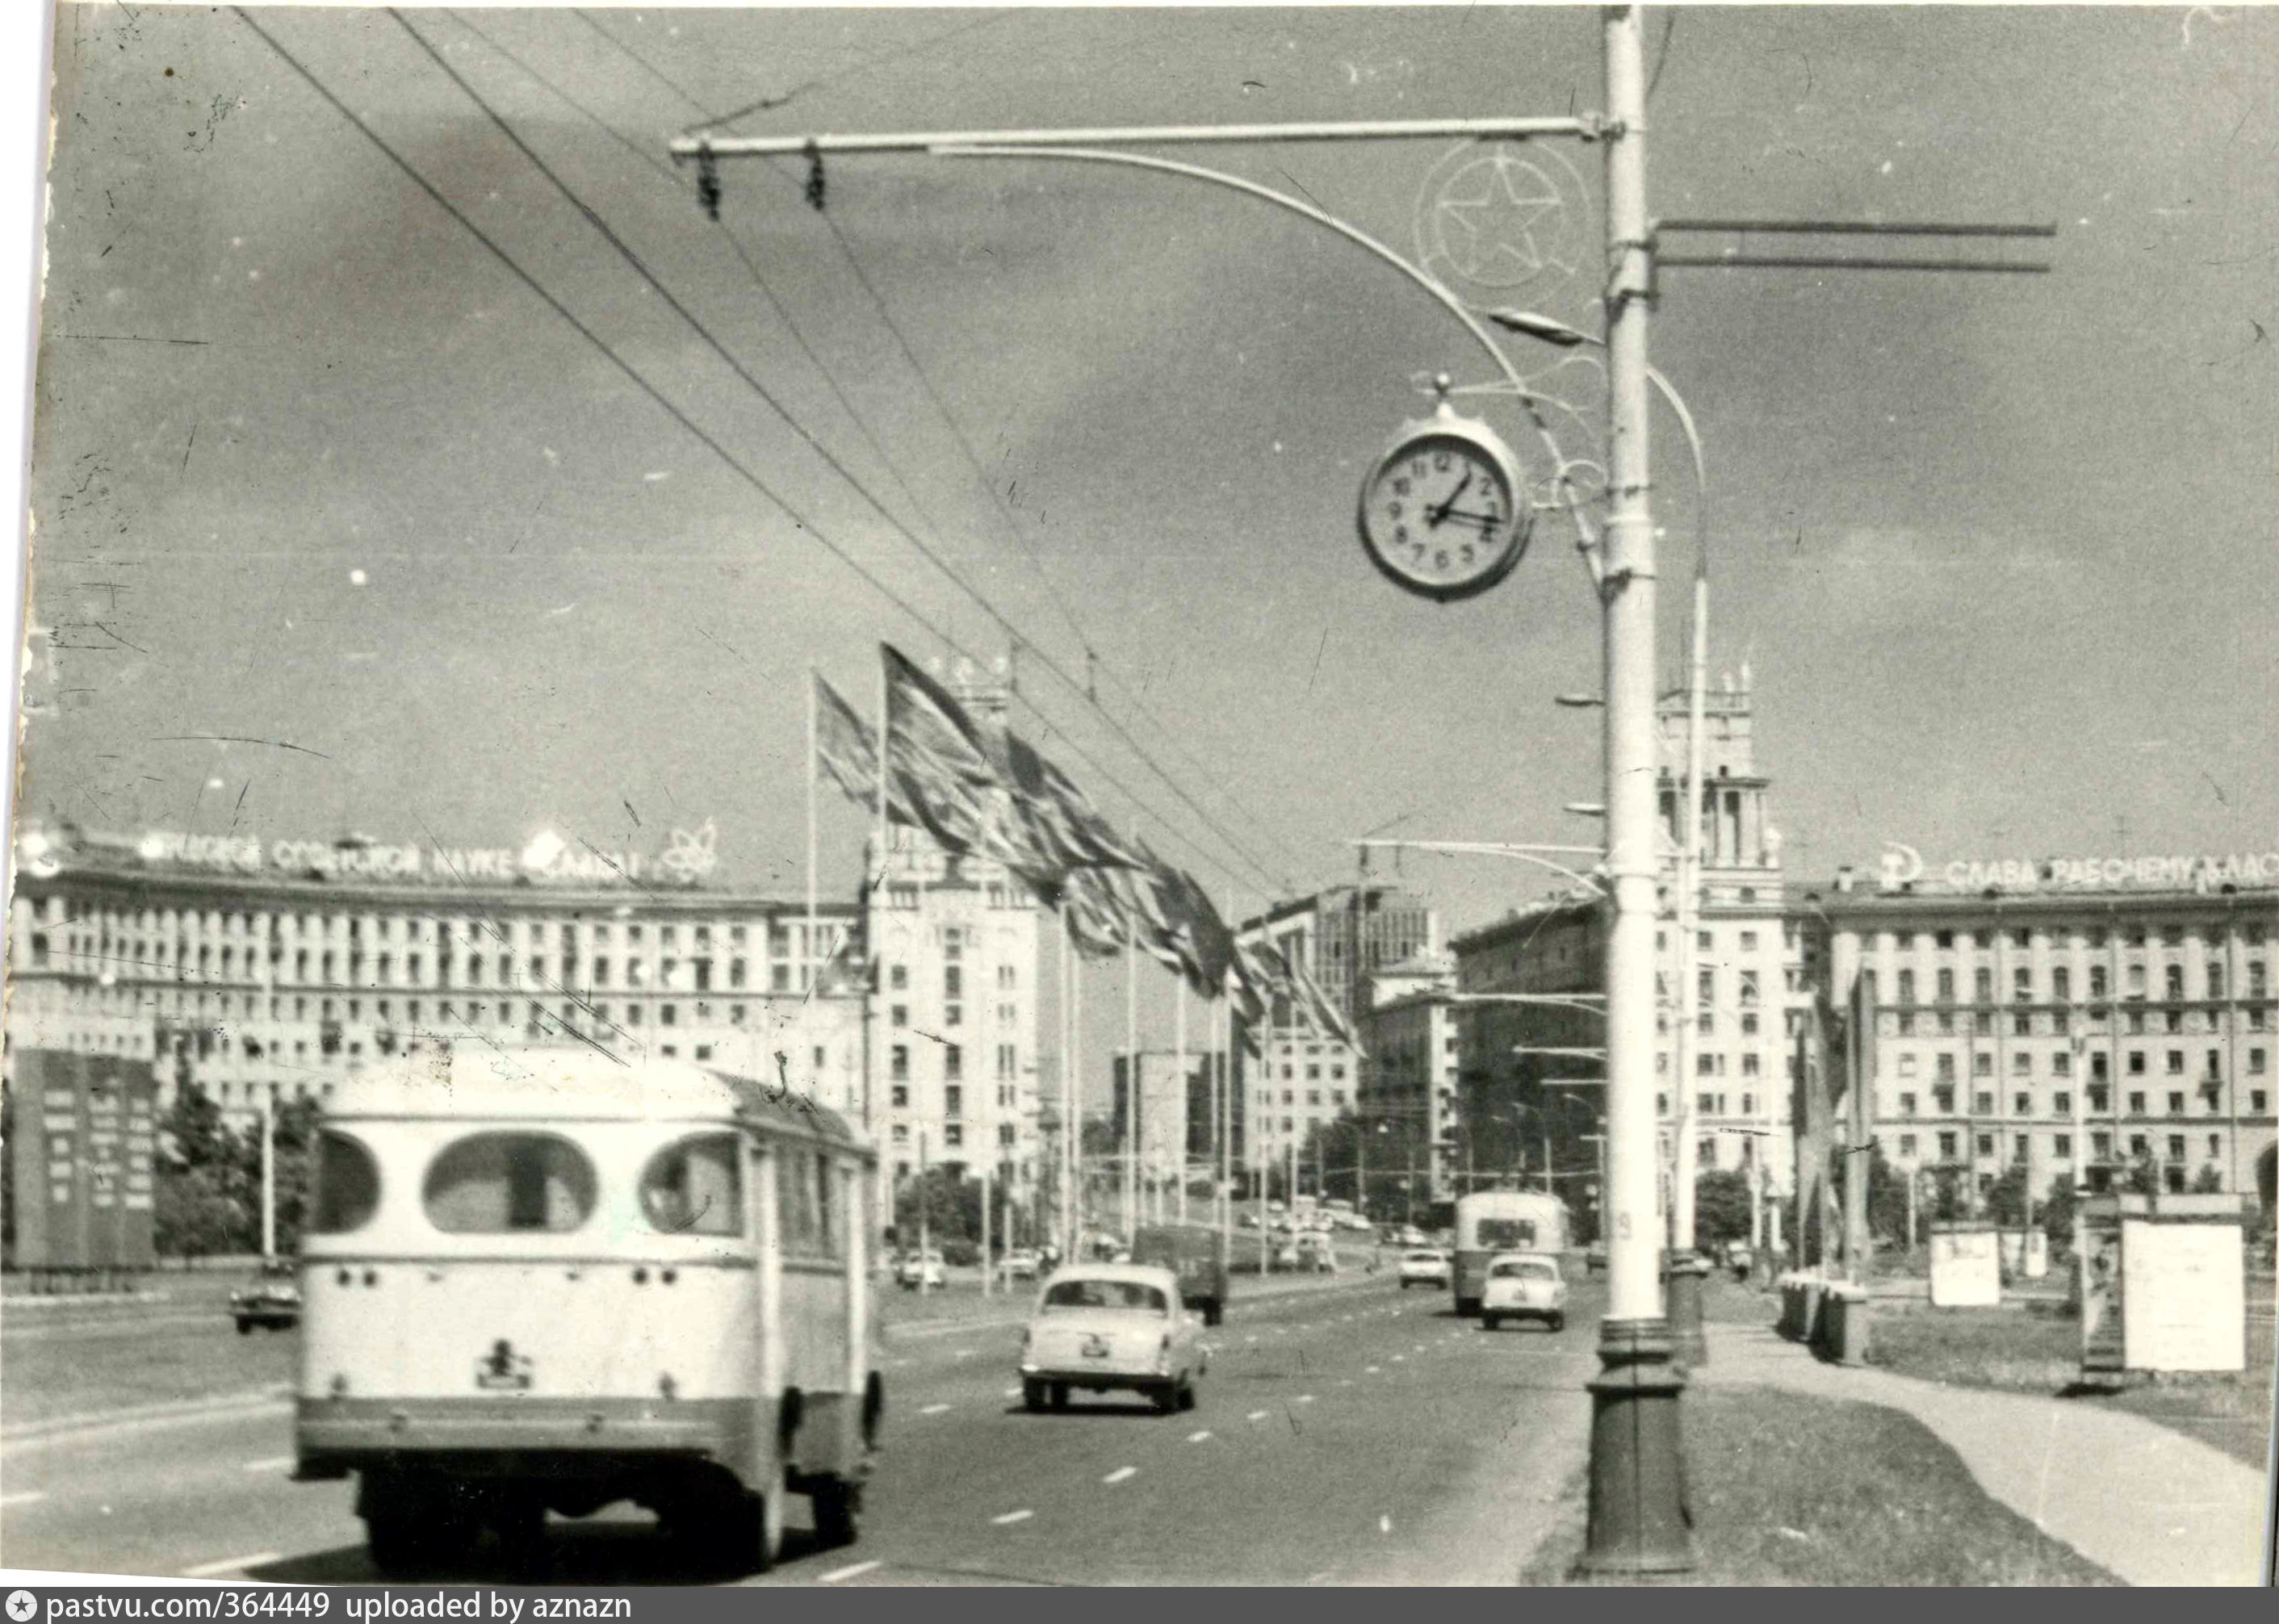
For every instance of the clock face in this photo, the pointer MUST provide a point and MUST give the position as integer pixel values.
(1439, 514)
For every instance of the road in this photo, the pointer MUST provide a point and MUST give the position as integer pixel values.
(1354, 1433)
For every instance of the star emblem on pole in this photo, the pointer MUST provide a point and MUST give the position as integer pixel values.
(1489, 218)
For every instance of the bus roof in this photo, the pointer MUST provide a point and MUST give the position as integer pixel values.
(539, 1081)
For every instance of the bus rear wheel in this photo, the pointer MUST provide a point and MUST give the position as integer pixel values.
(836, 1503)
(408, 1529)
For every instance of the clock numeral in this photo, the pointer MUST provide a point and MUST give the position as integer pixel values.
(1416, 466)
(1416, 551)
(1393, 508)
(1401, 488)
(1440, 560)
(1468, 552)
(1440, 460)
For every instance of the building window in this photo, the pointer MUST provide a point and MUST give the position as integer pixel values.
(1985, 1143)
(1907, 986)
(2021, 1063)
(2097, 1096)
(2061, 1104)
(952, 1100)
(1945, 984)
(1907, 1105)
(2097, 987)
(953, 1061)
(1982, 1104)
(2175, 1105)
(2215, 979)
(2061, 1063)
(2136, 1104)
(899, 1062)
(898, 1014)
(2136, 1062)
(2021, 1104)
(1982, 1064)
(1907, 1146)
(1947, 1142)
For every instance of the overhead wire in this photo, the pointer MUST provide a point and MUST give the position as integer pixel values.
(973, 463)
(798, 518)
(807, 436)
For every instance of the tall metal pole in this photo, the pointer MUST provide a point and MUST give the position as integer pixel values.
(1076, 1081)
(1067, 1100)
(1638, 1515)
(1131, 1089)
(1179, 1071)
(269, 1170)
(1687, 1270)
(812, 845)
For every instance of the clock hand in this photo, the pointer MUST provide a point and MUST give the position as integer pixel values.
(1486, 521)
(1433, 516)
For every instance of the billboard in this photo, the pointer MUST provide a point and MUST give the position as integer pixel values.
(85, 1128)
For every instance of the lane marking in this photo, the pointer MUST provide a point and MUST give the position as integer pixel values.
(275, 1463)
(1016, 1516)
(852, 1571)
(1401, 1358)
(1372, 1370)
(1303, 1398)
(1012, 1392)
(27, 1497)
(1197, 1437)
(1120, 1474)
(207, 1570)
(934, 1409)
(1256, 1415)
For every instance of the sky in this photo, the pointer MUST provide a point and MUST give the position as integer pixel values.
(340, 527)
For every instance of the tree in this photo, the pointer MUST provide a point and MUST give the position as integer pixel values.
(2058, 1208)
(1721, 1207)
(2144, 1178)
(950, 1202)
(2207, 1181)
(2005, 1202)
(191, 1217)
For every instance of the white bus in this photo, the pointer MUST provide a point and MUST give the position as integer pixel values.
(1492, 1221)
(548, 1279)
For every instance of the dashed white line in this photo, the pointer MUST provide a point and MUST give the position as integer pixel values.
(1256, 1415)
(1303, 1398)
(1197, 1437)
(932, 1409)
(1401, 1358)
(851, 1570)
(1022, 1515)
(25, 1497)
(1372, 1370)
(1012, 1392)
(208, 1570)
(1120, 1474)
(273, 1463)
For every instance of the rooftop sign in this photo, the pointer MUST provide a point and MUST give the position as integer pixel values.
(688, 859)
(1903, 866)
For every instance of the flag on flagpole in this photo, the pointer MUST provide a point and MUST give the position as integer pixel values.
(1089, 913)
(937, 757)
(848, 748)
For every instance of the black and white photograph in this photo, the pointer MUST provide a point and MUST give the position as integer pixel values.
(1237, 795)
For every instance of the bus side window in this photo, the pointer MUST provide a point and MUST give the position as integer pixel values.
(795, 1204)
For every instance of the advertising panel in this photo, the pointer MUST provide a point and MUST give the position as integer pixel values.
(85, 1130)
(2185, 1287)
(2101, 1287)
(1965, 1266)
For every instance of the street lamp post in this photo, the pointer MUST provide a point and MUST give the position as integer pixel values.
(1639, 1521)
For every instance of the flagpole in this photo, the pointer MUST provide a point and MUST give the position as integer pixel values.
(1225, 1102)
(1068, 1094)
(1076, 1072)
(1130, 1082)
(1179, 1071)
(875, 883)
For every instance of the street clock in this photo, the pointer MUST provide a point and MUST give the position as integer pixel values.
(1441, 512)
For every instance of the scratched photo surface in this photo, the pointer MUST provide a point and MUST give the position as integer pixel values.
(478, 515)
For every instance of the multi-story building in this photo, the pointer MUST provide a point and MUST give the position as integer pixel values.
(1175, 1113)
(1410, 1071)
(2068, 1018)
(1306, 1079)
(1756, 968)
(271, 968)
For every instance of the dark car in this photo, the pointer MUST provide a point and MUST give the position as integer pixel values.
(272, 1298)
(1197, 1254)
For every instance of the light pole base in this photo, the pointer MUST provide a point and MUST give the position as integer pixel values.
(1639, 1520)
(1688, 1273)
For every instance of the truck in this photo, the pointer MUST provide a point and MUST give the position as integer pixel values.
(1197, 1254)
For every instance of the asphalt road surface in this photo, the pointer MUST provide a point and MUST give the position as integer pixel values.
(1355, 1434)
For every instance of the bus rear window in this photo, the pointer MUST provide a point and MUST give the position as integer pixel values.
(348, 1184)
(503, 1183)
(694, 1186)
(1505, 1234)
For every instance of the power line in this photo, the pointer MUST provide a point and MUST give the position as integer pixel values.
(641, 268)
(878, 60)
(695, 430)
(973, 463)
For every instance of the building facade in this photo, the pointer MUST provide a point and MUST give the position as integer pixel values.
(1307, 1079)
(1409, 1076)
(1531, 1086)
(261, 969)
(2076, 1020)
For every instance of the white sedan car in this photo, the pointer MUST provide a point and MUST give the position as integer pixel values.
(1101, 1327)
(1523, 1285)
(1424, 1266)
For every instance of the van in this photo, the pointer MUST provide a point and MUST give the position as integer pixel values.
(1197, 1254)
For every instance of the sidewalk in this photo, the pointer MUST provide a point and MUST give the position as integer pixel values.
(2142, 1501)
